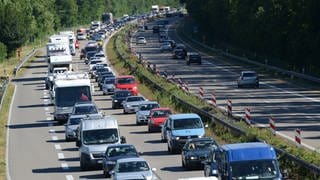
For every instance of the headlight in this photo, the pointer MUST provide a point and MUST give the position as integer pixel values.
(128, 105)
(193, 157)
(200, 136)
(176, 137)
(115, 100)
(214, 171)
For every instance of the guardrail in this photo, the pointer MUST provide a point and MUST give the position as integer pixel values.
(3, 87)
(25, 59)
(206, 115)
(292, 74)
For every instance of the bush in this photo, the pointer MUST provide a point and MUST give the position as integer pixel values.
(3, 51)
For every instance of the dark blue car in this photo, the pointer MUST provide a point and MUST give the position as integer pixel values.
(115, 152)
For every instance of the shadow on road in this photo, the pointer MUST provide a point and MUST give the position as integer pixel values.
(173, 169)
(28, 79)
(154, 141)
(35, 83)
(33, 106)
(156, 153)
(30, 125)
(70, 149)
(71, 159)
(94, 176)
(57, 170)
(139, 132)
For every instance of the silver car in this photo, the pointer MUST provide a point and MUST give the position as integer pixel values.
(248, 78)
(143, 112)
(108, 85)
(131, 104)
(132, 168)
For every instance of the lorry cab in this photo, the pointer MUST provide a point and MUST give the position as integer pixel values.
(254, 160)
(93, 138)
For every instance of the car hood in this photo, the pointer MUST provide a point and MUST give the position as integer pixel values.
(146, 113)
(108, 85)
(120, 98)
(98, 148)
(188, 132)
(64, 110)
(160, 119)
(133, 175)
(121, 157)
(73, 127)
(134, 103)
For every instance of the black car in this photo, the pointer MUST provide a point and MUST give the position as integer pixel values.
(118, 97)
(196, 151)
(89, 54)
(193, 57)
(179, 54)
(115, 152)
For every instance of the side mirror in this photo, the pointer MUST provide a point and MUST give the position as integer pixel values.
(123, 140)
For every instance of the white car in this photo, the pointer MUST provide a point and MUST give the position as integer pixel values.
(141, 40)
(132, 168)
(131, 104)
(142, 114)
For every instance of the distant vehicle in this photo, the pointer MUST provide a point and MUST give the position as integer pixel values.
(248, 78)
(181, 127)
(155, 29)
(118, 97)
(141, 40)
(196, 151)
(85, 107)
(165, 46)
(132, 168)
(179, 54)
(127, 82)
(157, 117)
(94, 138)
(89, 54)
(141, 28)
(131, 104)
(244, 161)
(115, 152)
(107, 18)
(193, 57)
(81, 36)
(108, 85)
(77, 44)
(143, 112)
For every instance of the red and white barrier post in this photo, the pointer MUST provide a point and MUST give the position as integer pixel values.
(272, 125)
(297, 136)
(213, 99)
(180, 83)
(201, 92)
(248, 116)
(229, 107)
(186, 87)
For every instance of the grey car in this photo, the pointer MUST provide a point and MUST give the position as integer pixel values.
(108, 85)
(248, 78)
(143, 112)
(131, 104)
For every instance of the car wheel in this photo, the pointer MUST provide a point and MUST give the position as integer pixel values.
(124, 111)
(67, 139)
(83, 164)
(182, 162)
(106, 174)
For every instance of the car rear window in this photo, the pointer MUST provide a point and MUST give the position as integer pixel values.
(125, 80)
(249, 74)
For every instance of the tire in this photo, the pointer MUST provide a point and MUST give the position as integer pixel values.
(83, 165)
(106, 174)
(182, 162)
(169, 149)
(67, 139)
(124, 112)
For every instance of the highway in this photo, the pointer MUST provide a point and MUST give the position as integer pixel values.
(293, 106)
(36, 146)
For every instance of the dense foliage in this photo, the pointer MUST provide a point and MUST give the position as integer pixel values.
(286, 29)
(21, 19)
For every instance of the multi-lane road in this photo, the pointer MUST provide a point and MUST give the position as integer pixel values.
(36, 145)
(292, 106)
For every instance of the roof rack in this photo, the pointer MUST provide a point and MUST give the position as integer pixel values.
(70, 75)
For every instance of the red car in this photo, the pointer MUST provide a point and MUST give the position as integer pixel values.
(127, 83)
(77, 44)
(157, 118)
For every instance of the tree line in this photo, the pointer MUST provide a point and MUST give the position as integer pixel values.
(22, 19)
(288, 30)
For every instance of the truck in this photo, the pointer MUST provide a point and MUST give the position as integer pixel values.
(72, 41)
(253, 160)
(155, 9)
(69, 88)
(107, 18)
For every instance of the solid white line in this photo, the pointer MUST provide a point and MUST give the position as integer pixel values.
(57, 146)
(64, 166)
(8, 129)
(54, 138)
(52, 131)
(60, 156)
(69, 177)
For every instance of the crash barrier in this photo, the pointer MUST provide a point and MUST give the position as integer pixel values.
(247, 116)
(3, 87)
(226, 54)
(25, 59)
(229, 107)
(272, 125)
(297, 136)
(213, 99)
(285, 157)
(201, 92)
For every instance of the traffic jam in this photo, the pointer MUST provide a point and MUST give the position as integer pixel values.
(99, 137)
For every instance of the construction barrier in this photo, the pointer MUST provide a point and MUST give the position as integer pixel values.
(248, 116)
(186, 87)
(298, 136)
(229, 108)
(272, 125)
(213, 99)
(201, 92)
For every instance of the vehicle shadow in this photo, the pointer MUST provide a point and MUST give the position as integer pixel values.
(139, 132)
(128, 125)
(70, 159)
(94, 176)
(173, 169)
(154, 141)
(28, 79)
(155, 153)
(30, 125)
(57, 170)
(70, 149)
(33, 106)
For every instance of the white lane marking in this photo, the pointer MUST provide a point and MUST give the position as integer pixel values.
(8, 130)
(45, 96)
(64, 166)
(54, 138)
(52, 131)
(48, 113)
(60, 156)
(46, 109)
(46, 100)
(45, 92)
(57, 146)
(69, 177)
(266, 101)
(49, 118)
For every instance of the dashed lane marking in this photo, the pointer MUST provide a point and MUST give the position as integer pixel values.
(49, 118)
(48, 113)
(46, 109)
(69, 177)
(64, 166)
(52, 131)
(54, 138)
(45, 96)
(60, 156)
(57, 146)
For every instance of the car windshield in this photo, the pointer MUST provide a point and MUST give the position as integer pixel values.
(90, 54)
(121, 151)
(192, 123)
(249, 74)
(100, 136)
(74, 121)
(148, 107)
(95, 61)
(91, 48)
(259, 169)
(162, 113)
(109, 81)
(131, 99)
(68, 96)
(200, 145)
(134, 166)
(90, 109)
(128, 80)
(99, 55)
(122, 94)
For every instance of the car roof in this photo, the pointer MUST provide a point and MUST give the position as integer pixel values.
(120, 145)
(149, 102)
(161, 109)
(184, 116)
(193, 53)
(133, 159)
(248, 72)
(125, 76)
(107, 122)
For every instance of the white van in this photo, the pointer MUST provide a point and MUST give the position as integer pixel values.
(93, 138)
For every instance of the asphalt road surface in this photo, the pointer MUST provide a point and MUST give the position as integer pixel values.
(36, 145)
(291, 105)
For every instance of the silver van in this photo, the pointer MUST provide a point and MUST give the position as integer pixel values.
(94, 137)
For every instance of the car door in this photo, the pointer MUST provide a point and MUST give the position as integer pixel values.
(164, 130)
